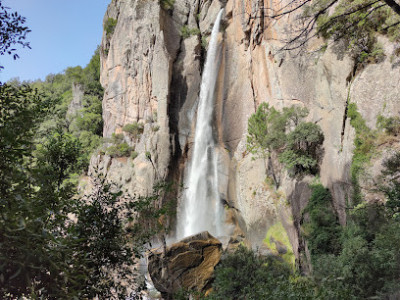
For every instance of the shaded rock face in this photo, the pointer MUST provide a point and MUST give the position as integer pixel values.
(151, 74)
(188, 264)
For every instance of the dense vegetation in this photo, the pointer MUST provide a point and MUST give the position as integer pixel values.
(358, 261)
(54, 243)
(297, 143)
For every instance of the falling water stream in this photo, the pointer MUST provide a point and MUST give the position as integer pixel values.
(201, 207)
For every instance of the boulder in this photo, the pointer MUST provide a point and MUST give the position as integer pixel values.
(186, 265)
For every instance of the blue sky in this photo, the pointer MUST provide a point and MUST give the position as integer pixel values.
(65, 33)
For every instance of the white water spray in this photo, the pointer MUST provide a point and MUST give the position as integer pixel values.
(201, 207)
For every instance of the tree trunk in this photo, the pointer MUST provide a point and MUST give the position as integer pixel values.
(393, 5)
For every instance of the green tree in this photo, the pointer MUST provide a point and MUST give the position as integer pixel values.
(44, 251)
(320, 224)
(12, 31)
(303, 148)
(266, 130)
(354, 21)
(296, 143)
(244, 274)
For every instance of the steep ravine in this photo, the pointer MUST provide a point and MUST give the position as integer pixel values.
(152, 74)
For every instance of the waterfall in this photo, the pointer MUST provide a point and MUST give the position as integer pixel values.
(201, 206)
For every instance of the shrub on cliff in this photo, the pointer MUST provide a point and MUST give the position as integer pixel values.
(391, 124)
(109, 26)
(320, 225)
(135, 129)
(297, 143)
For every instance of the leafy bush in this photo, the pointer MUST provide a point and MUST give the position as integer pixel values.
(134, 154)
(167, 4)
(364, 143)
(134, 129)
(187, 32)
(391, 186)
(119, 150)
(109, 26)
(117, 138)
(298, 144)
(391, 124)
(246, 275)
(356, 22)
(303, 146)
(266, 130)
(320, 224)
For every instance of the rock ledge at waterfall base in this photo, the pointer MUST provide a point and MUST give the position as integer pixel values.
(188, 264)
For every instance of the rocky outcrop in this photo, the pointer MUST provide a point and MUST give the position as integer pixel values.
(151, 74)
(186, 265)
(76, 103)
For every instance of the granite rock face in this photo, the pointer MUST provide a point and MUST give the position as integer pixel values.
(151, 74)
(186, 265)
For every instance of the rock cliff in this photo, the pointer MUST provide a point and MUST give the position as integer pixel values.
(151, 66)
(186, 265)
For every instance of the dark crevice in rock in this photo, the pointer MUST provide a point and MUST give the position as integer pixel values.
(345, 117)
(252, 86)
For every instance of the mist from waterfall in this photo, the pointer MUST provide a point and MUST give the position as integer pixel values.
(201, 208)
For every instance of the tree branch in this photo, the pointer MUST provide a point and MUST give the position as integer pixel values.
(393, 5)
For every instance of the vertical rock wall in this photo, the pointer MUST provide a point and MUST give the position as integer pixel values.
(151, 73)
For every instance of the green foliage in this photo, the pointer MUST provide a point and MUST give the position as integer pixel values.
(119, 147)
(109, 26)
(167, 4)
(55, 244)
(303, 146)
(361, 260)
(374, 55)
(364, 143)
(320, 225)
(12, 31)
(246, 275)
(134, 154)
(117, 138)
(392, 187)
(119, 150)
(391, 125)
(365, 267)
(187, 32)
(44, 254)
(102, 243)
(356, 22)
(134, 129)
(86, 125)
(266, 130)
(148, 155)
(297, 143)
(59, 155)
(204, 42)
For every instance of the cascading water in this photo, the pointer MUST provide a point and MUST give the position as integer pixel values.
(201, 207)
